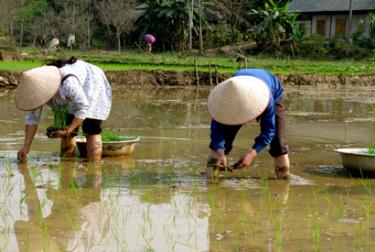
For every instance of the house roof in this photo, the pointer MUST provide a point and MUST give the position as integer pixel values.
(331, 5)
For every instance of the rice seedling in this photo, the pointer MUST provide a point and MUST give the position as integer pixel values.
(170, 176)
(60, 113)
(371, 150)
(315, 232)
(9, 186)
(108, 136)
(34, 172)
(278, 233)
(336, 203)
(367, 206)
(117, 221)
(359, 235)
(22, 198)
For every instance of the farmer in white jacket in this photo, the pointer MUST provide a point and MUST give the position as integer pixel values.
(82, 87)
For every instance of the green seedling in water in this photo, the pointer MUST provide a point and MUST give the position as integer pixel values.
(371, 150)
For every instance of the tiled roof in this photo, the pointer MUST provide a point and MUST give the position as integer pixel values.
(331, 5)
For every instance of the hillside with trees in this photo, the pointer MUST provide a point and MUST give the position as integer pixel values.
(178, 25)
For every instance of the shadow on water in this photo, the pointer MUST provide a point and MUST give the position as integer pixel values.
(339, 172)
(328, 171)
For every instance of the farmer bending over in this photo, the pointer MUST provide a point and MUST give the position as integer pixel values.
(249, 95)
(81, 87)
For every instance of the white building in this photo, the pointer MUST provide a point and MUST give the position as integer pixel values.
(330, 18)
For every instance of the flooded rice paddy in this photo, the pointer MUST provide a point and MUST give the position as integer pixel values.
(157, 199)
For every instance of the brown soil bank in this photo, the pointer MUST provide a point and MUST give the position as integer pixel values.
(9, 80)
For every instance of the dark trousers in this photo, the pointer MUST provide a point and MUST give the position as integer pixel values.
(89, 126)
(278, 146)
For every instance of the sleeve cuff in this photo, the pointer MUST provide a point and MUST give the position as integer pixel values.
(80, 114)
(258, 148)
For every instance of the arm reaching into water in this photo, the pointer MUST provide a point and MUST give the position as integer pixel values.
(246, 159)
(221, 160)
(30, 131)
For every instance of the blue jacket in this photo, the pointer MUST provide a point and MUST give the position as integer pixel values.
(267, 119)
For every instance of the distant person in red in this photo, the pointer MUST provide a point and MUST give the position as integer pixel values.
(150, 39)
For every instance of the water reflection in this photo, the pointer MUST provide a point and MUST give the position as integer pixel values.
(69, 205)
(155, 200)
(73, 224)
(237, 222)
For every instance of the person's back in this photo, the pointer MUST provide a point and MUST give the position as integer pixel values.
(75, 85)
(95, 86)
(272, 82)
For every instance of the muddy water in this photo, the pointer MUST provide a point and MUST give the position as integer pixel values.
(157, 200)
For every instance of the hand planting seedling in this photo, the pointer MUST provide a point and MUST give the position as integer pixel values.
(211, 163)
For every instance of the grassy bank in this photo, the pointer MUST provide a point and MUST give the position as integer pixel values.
(112, 61)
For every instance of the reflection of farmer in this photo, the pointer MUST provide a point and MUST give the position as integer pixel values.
(78, 219)
(245, 215)
(150, 39)
(82, 87)
(249, 95)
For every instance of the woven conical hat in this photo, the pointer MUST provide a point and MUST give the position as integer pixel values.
(37, 86)
(238, 100)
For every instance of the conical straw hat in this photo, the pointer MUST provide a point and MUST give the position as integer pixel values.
(238, 100)
(37, 86)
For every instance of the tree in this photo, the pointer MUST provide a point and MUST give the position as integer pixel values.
(168, 20)
(201, 18)
(74, 18)
(29, 18)
(176, 15)
(120, 14)
(371, 23)
(191, 24)
(274, 24)
(233, 13)
(8, 9)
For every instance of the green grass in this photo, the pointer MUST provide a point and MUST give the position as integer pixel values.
(133, 60)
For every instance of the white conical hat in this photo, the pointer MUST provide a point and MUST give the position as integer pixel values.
(37, 86)
(238, 100)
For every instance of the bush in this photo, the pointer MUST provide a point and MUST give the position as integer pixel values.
(314, 46)
(97, 44)
(362, 40)
(219, 34)
(341, 49)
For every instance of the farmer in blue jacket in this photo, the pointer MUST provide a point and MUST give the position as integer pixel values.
(250, 95)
